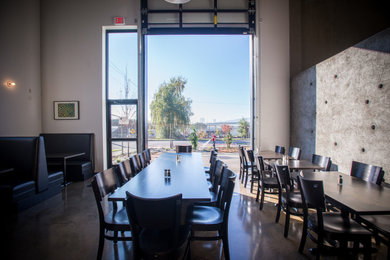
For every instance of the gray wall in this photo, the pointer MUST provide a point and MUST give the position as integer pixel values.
(349, 102)
(71, 47)
(321, 29)
(20, 107)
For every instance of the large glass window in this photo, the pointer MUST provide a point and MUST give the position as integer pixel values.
(122, 94)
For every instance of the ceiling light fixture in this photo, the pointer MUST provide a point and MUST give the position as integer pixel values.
(177, 1)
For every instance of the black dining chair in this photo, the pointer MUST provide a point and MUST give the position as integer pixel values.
(214, 218)
(135, 165)
(125, 172)
(114, 220)
(367, 172)
(289, 200)
(210, 175)
(217, 178)
(254, 174)
(146, 157)
(294, 152)
(380, 226)
(323, 161)
(267, 183)
(213, 153)
(329, 226)
(141, 160)
(183, 149)
(156, 228)
(245, 165)
(280, 149)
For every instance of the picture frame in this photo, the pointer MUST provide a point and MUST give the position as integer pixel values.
(66, 110)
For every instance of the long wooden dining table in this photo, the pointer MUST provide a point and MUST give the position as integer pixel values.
(355, 195)
(187, 178)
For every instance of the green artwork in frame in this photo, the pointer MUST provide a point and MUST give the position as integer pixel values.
(66, 110)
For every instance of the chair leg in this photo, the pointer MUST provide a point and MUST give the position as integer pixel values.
(101, 244)
(278, 210)
(252, 183)
(262, 197)
(115, 237)
(246, 177)
(367, 248)
(225, 241)
(287, 223)
(304, 235)
(258, 192)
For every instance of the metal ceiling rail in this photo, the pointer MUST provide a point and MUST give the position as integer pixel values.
(202, 27)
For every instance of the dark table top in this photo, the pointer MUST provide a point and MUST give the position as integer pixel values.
(63, 155)
(271, 155)
(187, 177)
(297, 165)
(355, 195)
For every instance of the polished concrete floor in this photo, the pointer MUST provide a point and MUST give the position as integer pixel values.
(66, 227)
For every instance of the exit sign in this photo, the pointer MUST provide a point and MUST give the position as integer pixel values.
(119, 20)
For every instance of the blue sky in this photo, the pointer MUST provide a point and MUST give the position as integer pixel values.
(216, 68)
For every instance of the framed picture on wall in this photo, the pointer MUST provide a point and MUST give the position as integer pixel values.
(66, 110)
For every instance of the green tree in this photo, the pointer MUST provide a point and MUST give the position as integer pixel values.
(243, 128)
(228, 139)
(194, 139)
(170, 110)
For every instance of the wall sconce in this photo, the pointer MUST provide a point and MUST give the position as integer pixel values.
(10, 84)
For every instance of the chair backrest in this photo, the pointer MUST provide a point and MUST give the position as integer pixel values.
(183, 149)
(251, 156)
(312, 192)
(260, 167)
(212, 166)
(126, 173)
(145, 157)
(217, 177)
(280, 149)
(322, 161)
(135, 164)
(103, 184)
(213, 153)
(225, 192)
(106, 183)
(243, 156)
(283, 178)
(294, 152)
(141, 161)
(367, 172)
(154, 214)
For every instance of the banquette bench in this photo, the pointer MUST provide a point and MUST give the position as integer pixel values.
(29, 182)
(78, 168)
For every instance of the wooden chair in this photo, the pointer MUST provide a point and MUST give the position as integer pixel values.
(380, 226)
(183, 149)
(367, 172)
(322, 161)
(280, 149)
(135, 165)
(214, 218)
(294, 152)
(267, 183)
(115, 220)
(253, 167)
(156, 228)
(329, 226)
(216, 182)
(289, 200)
(141, 160)
(146, 158)
(126, 173)
(245, 165)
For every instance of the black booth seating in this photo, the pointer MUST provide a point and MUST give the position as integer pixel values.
(29, 183)
(79, 168)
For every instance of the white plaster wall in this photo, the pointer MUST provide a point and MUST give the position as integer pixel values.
(20, 107)
(273, 75)
(72, 61)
